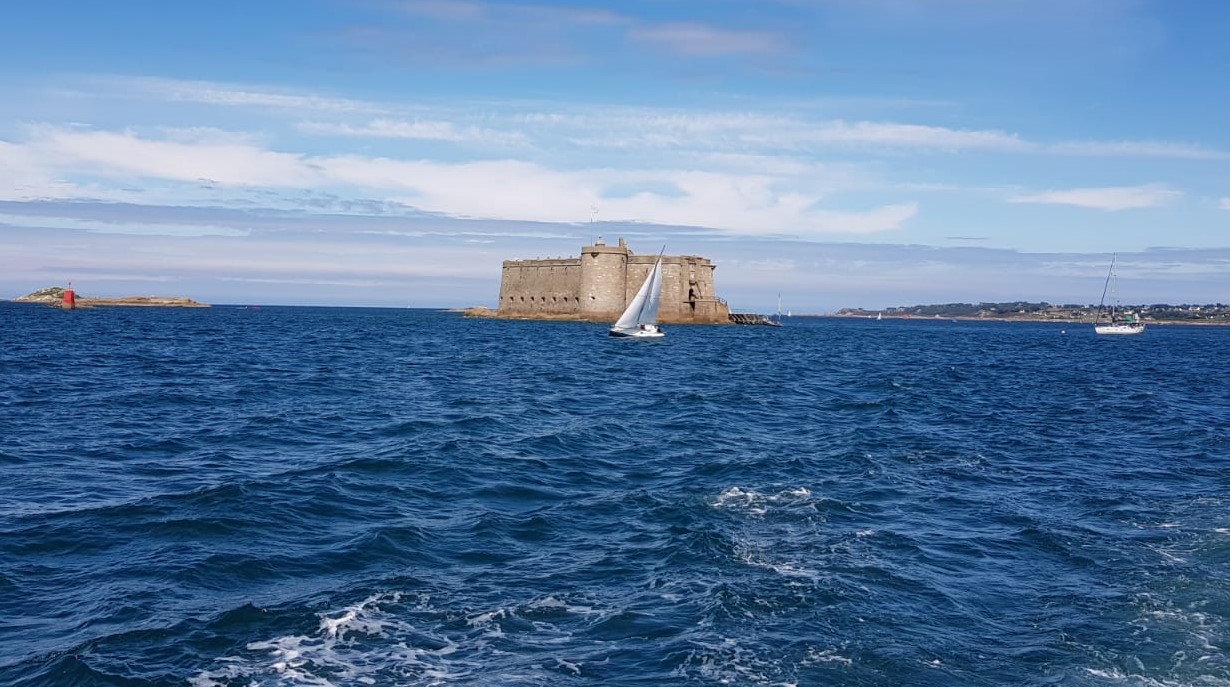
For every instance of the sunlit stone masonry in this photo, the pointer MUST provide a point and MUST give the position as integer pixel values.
(600, 283)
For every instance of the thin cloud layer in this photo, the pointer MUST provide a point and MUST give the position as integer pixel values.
(1111, 199)
(229, 95)
(1141, 149)
(623, 127)
(493, 189)
(707, 41)
(417, 130)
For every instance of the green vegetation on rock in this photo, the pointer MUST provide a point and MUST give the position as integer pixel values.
(51, 293)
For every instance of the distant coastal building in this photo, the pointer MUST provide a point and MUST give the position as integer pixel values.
(599, 284)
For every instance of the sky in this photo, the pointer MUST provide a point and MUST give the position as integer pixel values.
(840, 153)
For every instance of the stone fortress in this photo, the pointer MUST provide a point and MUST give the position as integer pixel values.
(599, 284)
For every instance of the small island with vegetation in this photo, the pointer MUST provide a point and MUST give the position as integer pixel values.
(54, 296)
(1212, 313)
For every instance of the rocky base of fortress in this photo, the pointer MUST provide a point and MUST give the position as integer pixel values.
(481, 312)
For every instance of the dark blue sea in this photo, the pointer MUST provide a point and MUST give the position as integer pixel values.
(284, 496)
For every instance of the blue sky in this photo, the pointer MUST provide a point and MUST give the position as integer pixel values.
(839, 152)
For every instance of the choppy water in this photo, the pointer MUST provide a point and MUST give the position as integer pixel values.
(297, 496)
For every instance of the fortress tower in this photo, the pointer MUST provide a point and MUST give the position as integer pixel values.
(605, 279)
(599, 284)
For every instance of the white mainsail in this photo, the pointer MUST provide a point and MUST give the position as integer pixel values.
(643, 310)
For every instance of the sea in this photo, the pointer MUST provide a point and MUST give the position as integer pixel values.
(293, 496)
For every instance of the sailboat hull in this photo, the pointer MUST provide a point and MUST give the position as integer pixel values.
(653, 333)
(1120, 329)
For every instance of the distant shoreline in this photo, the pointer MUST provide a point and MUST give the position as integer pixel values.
(966, 318)
(139, 302)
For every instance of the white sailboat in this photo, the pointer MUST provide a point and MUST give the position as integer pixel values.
(777, 320)
(1119, 322)
(640, 319)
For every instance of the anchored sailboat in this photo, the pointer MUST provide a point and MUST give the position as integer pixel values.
(640, 319)
(1119, 322)
(777, 319)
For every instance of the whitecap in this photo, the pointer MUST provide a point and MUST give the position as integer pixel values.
(757, 503)
(730, 663)
(815, 656)
(340, 652)
(485, 618)
(752, 556)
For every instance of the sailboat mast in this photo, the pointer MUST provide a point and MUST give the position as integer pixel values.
(1104, 287)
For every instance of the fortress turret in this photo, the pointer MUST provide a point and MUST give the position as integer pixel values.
(604, 279)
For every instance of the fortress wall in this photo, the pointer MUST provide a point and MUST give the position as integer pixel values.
(688, 293)
(674, 307)
(603, 280)
(700, 293)
(540, 287)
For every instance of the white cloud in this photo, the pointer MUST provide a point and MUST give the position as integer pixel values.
(743, 202)
(425, 130)
(889, 217)
(700, 40)
(748, 204)
(633, 129)
(21, 176)
(1110, 198)
(26, 173)
(138, 228)
(509, 14)
(895, 135)
(126, 154)
(1162, 149)
(234, 95)
(1224, 203)
(208, 135)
